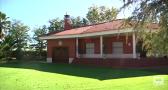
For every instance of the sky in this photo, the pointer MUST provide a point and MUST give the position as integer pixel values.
(35, 13)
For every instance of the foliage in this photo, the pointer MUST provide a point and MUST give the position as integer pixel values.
(5, 50)
(151, 11)
(15, 39)
(101, 14)
(94, 15)
(19, 34)
(56, 24)
(159, 44)
(41, 44)
(78, 22)
(4, 24)
(5, 41)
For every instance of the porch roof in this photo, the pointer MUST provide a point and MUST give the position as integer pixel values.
(113, 27)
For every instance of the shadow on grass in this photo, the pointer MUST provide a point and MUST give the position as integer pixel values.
(100, 73)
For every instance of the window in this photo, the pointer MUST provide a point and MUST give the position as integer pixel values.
(117, 47)
(89, 48)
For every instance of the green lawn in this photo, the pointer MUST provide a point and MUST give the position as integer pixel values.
(42, 76)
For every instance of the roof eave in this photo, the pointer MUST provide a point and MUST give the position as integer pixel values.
(87, 34)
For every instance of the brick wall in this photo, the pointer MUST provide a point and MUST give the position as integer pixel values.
(123, 63)
(70, 43)
(107, 44)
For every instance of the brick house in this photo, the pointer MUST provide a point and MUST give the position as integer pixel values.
(104, 40)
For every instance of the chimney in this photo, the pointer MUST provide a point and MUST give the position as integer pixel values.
(67, 22)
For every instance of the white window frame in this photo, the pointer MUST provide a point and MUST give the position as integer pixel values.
(117, 47)
(90, 48)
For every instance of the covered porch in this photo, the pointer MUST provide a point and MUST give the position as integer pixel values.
(119, 45)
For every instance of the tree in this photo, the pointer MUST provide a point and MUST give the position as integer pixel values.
(41, 44)
(19, 34)
(56, 24)
(78, 22)
(152, 11)
(6, 47)
(85, 21)
(5, 41)
(15, 39)
(4, 24)
(101, 14)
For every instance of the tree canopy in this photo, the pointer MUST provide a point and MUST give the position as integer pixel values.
(56, 24)
(151, 11)
(78, 22)
(41, 44)
(101, 14)
(15, 39)
(94, 15)
(4, 24)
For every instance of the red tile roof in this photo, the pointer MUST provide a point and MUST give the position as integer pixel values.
(113, 25)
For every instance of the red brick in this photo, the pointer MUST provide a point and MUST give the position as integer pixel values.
(70, 43)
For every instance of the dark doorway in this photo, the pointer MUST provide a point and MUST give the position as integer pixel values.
(60, 55)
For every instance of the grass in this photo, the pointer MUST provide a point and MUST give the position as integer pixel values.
(43, 76)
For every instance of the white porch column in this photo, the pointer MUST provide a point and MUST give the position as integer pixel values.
(101, 46)
(77, 55)
(134, 45)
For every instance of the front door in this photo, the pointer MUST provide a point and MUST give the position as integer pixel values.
(60, 55)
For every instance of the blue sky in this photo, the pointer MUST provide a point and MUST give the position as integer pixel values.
(39, 12)
(36, 13)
